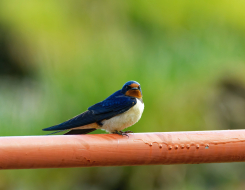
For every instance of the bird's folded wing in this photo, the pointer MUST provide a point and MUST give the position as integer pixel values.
(98, 112)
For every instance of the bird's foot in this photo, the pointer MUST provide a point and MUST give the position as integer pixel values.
(116, 132)
(122, 133)
(128, 131)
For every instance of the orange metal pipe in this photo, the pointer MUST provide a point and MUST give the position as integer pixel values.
(115, 150)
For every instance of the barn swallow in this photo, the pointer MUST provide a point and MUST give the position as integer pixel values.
(120, 110)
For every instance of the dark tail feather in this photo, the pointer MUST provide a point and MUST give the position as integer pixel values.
(56, 132)
(79, 131)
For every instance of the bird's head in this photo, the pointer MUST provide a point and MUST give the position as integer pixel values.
(132, 88)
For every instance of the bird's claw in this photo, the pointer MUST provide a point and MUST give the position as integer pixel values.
(122, 133)
(128, 131)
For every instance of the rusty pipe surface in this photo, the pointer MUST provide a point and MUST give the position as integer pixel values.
(115, 150)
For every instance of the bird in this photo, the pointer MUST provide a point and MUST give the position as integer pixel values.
(120, 110)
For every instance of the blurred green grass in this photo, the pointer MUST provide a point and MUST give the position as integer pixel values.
(80, 52)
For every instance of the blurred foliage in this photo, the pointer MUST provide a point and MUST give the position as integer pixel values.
(67, 55)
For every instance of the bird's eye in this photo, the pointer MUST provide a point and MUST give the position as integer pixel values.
(127, 87)
(139, 87)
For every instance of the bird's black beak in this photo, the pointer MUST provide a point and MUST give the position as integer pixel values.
(134, 88)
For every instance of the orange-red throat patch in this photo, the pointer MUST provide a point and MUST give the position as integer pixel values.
(134, 93)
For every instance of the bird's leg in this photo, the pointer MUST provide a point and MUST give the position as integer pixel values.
(120, 133)
(125, 133)
(116, 132)
(128, 131)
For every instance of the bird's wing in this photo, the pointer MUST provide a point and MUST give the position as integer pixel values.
(79, 131)
(98, 112)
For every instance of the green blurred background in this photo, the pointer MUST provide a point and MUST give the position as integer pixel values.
(57, 58)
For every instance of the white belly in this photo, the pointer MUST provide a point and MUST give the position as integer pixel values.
(125, 119)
